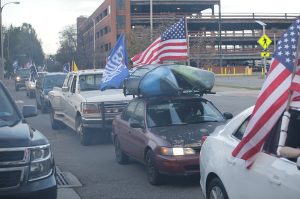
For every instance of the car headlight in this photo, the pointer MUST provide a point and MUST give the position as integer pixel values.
(41, 162)
(31, 85)
(18, 78)
(90, 109)
(176, 151)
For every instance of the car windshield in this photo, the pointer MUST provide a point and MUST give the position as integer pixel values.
(23, 72)
(8, 114)
(90, 82)
(181, 111)
(51, 81)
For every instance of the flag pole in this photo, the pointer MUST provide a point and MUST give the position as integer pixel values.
(286, 116)
(188, 42)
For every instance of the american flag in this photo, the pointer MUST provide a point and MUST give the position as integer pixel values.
(171, 45)
(273, 97)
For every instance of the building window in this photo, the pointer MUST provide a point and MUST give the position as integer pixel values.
(120, 4)
(105, 13)
(121, 22)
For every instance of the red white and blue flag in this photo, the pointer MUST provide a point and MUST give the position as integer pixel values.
(171, 45)
(273, 97)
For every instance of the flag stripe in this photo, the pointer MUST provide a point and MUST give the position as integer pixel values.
(166, 52)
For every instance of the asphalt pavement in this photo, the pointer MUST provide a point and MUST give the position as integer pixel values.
(95, 165)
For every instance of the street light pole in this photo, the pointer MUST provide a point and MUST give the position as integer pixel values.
(151, 20)
(265, 59)
(94, 57)
(1, 38)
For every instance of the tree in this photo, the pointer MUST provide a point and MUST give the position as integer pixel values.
(68, 44)
(21, 44)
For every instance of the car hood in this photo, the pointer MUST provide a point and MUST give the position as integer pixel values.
(185, 135)
(20, 135)
(107, 95)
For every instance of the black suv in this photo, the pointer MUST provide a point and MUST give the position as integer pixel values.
(45, 84)
(22, 75)
(27, 167)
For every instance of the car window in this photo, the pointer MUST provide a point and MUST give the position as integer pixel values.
(73, 87)
(90, 82)
(69, 81)
(51, 81)
(23, 72)
(128, 112)
(241, 130)
(181, 111)
(8, 114)
(139, 113)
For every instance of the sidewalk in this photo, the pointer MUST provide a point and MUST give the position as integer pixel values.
(67, 193)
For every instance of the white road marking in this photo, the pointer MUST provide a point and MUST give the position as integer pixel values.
(19, 101)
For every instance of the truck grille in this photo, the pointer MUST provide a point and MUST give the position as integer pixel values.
(10, 179)
(110, 109)
(11, 156)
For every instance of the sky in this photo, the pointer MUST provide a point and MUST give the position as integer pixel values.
(49, 17)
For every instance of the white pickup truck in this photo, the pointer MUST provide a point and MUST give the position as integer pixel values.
(81, 105)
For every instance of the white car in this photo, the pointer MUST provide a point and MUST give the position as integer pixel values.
(223, 176)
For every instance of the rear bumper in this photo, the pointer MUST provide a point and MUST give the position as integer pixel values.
(178, 165)
(45, 188)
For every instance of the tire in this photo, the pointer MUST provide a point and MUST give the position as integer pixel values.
(121, 157)
(55, 124)
(153, 175)
(216, 190)
(82, 132)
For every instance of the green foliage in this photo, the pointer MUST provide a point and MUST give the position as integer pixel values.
(21, 43)
(68, 44)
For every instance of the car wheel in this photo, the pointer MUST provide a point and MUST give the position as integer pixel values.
(37, 104)
(121, 157)
(154, 177)
(83, 132)
(216, 190)
(55, 124)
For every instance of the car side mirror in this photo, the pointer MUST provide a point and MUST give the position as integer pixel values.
(64, 89)
(298, 163)
(136, 125)
(29, 111)
(227, 115)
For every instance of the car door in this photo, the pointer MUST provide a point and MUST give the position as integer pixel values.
(137, 137)
(268, 177)
(122, 128)
(73, 100)
(66, 95)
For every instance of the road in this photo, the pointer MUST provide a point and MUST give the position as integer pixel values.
(95, 165)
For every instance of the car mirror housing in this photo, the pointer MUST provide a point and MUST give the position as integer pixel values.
(228, 115)
(136, 125)
(29, 111)
(64, 89)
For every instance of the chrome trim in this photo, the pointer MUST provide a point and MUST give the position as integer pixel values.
(26, 156)
(42, 177)
(22, 169)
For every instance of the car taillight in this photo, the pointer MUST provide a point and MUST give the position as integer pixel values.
(204, 137)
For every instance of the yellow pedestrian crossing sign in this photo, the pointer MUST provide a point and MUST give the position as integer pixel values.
(265, 54)
(264, 41)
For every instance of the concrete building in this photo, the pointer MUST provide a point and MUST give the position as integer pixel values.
(215, 38)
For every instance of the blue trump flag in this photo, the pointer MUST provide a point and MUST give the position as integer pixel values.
(66, 67)
(116, 67)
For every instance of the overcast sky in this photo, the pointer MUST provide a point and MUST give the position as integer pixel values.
(49, 17)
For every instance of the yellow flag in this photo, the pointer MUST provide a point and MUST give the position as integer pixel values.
(74, 66)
